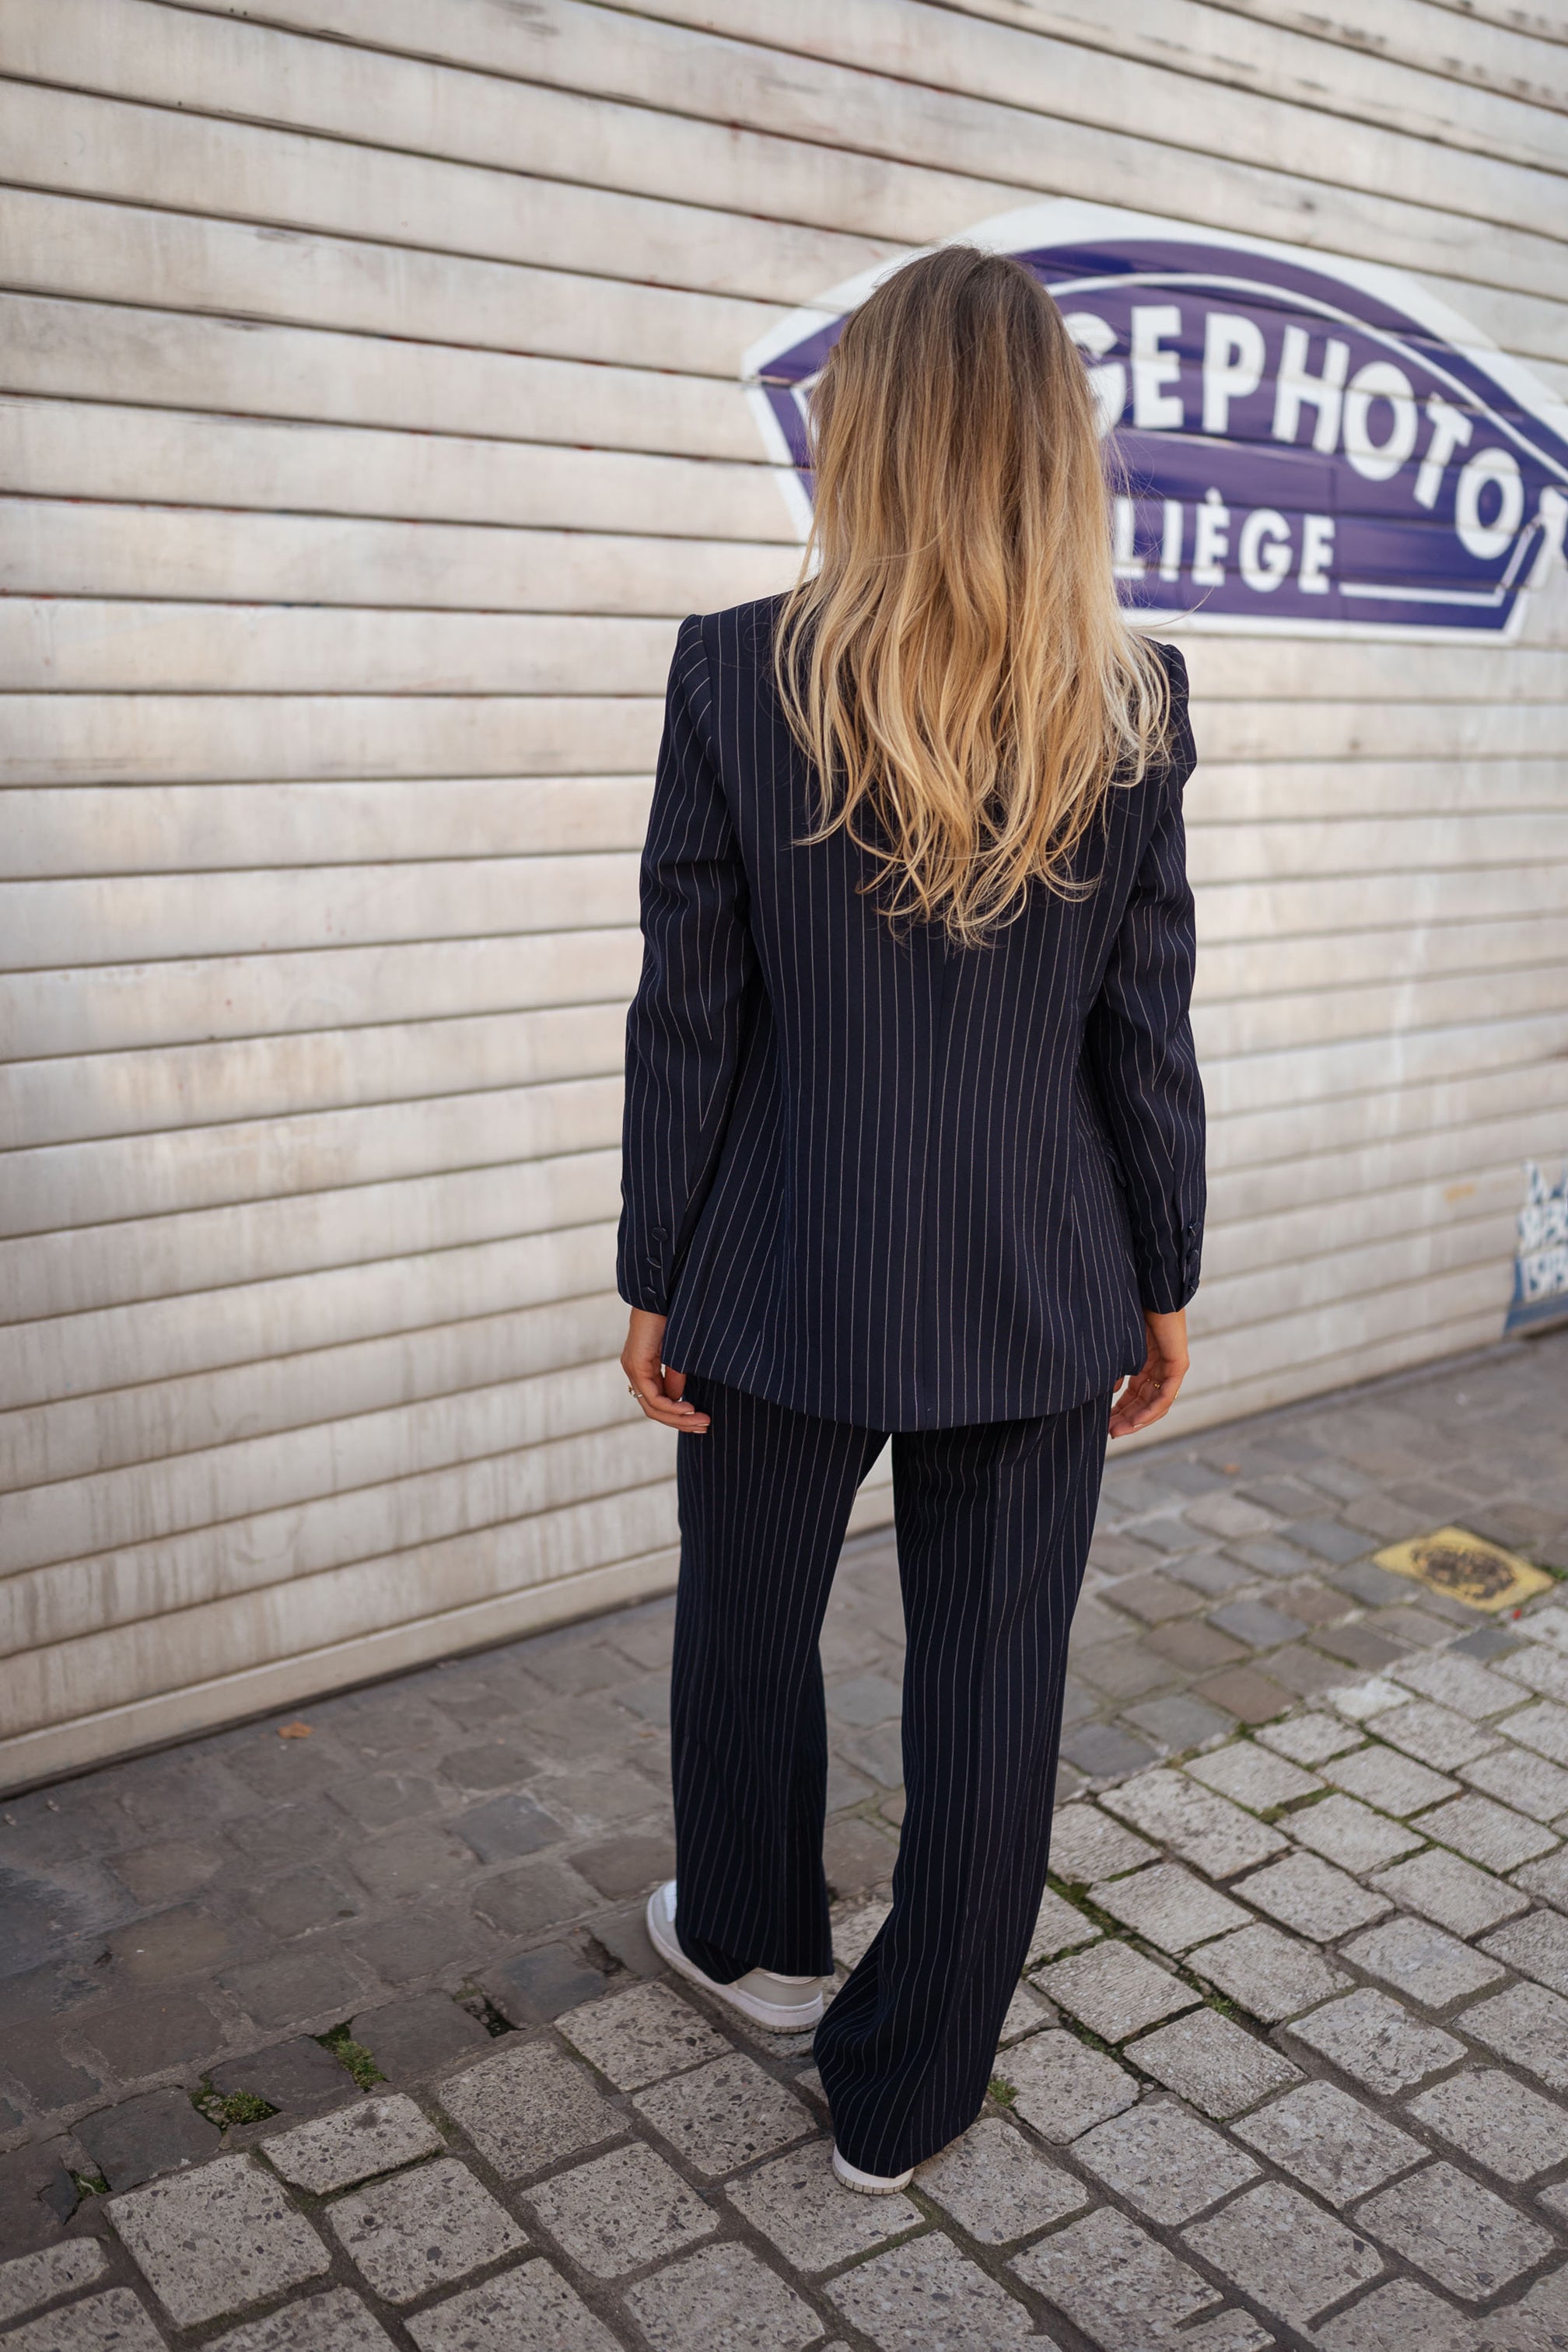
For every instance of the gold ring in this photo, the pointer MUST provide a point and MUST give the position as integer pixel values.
(631, 1390)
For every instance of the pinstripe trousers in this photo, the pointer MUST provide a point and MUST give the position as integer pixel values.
(994, 1523)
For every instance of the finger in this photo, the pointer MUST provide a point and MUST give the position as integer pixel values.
(650, 1385)
(680, 1418)
(674, 1383)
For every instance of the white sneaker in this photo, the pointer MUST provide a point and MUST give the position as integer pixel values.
(870, 2184)
(784, 2004)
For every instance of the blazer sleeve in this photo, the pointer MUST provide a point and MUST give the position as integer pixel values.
(1139, 1039)
(687, 1021)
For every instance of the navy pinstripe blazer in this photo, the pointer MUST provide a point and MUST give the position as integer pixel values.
(888, 1180)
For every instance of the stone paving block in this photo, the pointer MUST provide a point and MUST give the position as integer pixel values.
(1179, 1722)
(527, 2108)
(509, 1827)
(1233, 2331)
(1536, 1946)
(856, 1855)
(1457, 2231)
(1377, 2043)
(638, 2037)
(422, 1943)
(1196, 1649)
(169, 1944)
(854, 1927)
(150, 2034)
(1454, 1892)
(422, 2229)
(293, 2075)
(1406, 1624)
(1253, 1776)
(1529, 1783)
(865, 1701)
(212, 2241)
(35, 2279)
(620, 2211)
(1364, 1701)
(1169, 1907)
(1351, 1835)
(1267, 1973)
(1544, 1728)
(1399, 2317)
(1328, 1538)
(1423, 1960)
(1101, 1751)
(1214, 1573)
(1258, 1623)
(1212, 2063)
(1059, 1927)
(1115, 2283)
(38, 2194)
(537, 1895)
(725, 2114)
(813, 2222)
(532, 1988)
(1550, 1624)
(1026, 2013)
(1486, 1832)
(407, 2038)
(632, 1864)
(1086, 1845)
(1169, 1533)
(721, 2295)
(1528, 2025)
(1227, 1515)
(1250, 1696)
(115, 2322)
(1114, 1991)
(1393, 1783)
(1285, 2251)
(338, 2150)
(1203, 1829)
(1272, 1556)
(334, 2322)
(1548, 1879)
(1160, 2159)
(1309, 1738)
(1463, 1684)
(997, 2186)
(926, 2296)
(1063, 2088)
(529, 2309)
(1499, 2123)
(1434, 1735)
(1538, 1667)
(1310, 1894)
(1306, 1671)
(138, 2139)
(1329, 2142)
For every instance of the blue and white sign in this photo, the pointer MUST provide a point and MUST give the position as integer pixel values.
(1304, 441)
(1540, 1265)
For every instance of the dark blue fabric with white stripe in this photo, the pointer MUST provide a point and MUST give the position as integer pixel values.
(884, 1180)
(994, 1529)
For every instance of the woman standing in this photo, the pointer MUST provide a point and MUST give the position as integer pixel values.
(913, 1145)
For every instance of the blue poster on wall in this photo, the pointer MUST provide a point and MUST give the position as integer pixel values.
(1298, 441)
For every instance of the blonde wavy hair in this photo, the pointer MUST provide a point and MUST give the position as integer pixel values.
(952, 659)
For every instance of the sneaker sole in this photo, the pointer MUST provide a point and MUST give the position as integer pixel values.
(869, 2184)
(761, 2013)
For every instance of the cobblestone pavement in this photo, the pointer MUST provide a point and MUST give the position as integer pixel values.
(315, 2043)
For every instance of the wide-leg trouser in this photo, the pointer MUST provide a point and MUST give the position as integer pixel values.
(994, 1523)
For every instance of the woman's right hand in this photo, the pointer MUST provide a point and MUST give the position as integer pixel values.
(1147, 1397)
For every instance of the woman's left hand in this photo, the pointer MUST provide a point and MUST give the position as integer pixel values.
(1148, 1395)
(656, 1389)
